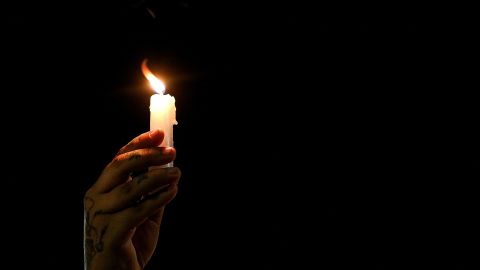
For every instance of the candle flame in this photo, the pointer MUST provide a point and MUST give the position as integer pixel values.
(156, 83)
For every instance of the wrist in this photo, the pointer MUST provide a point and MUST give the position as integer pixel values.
(110, 261)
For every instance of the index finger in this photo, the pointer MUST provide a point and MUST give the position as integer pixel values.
(145, 140)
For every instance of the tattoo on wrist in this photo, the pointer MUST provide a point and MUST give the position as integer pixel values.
(93, 237)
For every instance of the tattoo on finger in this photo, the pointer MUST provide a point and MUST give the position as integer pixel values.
(141, 178)
(134, 157)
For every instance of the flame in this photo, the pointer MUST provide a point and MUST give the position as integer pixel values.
(156, 83)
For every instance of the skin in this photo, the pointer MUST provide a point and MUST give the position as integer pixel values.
(124, 207)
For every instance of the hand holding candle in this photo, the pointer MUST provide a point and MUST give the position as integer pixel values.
(162, 109)
(124, 207)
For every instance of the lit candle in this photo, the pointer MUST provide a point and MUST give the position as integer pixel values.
(162, 108)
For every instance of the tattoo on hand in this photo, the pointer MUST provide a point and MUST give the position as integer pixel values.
(93, 238)
(142, 178)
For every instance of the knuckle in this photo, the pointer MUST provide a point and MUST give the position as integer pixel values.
(118, 160)
(88, 193)
(122, 150)
(137, 140)
(88, 202)
(115, 161)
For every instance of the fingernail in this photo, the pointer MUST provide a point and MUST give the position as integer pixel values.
(154, 133)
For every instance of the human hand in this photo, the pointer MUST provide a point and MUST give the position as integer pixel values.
(124, 208)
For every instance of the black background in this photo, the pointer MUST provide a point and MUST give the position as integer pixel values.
(307, 135)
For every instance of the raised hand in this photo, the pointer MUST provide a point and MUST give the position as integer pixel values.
(124, 208)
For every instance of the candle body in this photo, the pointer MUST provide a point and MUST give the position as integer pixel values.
(162, 116)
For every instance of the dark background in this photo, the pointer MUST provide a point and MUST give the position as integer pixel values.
(307, 135)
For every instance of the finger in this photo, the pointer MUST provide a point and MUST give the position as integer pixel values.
(135, 215)
(122, 166)
(127, 194)
(157, 216)
(145, 140)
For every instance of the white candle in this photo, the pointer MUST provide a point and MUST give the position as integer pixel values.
(162, 109)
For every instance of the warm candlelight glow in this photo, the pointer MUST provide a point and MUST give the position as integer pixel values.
(156, 83)
(162, 109)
